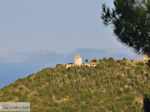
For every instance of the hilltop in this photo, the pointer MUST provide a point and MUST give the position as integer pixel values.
(110, 86)
(44, 58)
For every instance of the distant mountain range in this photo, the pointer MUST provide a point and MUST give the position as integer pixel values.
(10, 71)
(48, 58)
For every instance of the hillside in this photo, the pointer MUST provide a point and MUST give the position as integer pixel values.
(111, 86)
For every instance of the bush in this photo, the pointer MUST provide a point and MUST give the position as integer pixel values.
(85, 96)
(69, 109)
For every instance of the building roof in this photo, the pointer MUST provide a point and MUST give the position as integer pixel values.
(92, 62)
(78, 57)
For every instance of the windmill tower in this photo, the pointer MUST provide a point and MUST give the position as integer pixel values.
(78, 60)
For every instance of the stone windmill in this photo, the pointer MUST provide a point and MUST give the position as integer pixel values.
(77, 60)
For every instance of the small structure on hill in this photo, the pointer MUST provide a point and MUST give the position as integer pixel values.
(77, 60)
(92, 62)
(145, 58)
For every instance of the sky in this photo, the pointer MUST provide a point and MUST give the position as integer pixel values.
(61, 26)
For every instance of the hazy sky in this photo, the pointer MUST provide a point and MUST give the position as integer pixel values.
(56, 25)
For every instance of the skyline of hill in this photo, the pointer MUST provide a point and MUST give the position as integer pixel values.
(43, 59)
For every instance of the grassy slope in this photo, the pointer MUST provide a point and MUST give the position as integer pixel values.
(117, 86)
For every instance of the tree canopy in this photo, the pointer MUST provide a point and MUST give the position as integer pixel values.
(131, 23)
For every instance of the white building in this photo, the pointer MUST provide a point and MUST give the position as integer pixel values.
(77, 60)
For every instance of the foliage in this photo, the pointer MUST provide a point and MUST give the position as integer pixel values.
(70, 63)
(131, 21)
(147, 103)
(86, 60)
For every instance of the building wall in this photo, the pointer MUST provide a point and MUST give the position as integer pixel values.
(78, 60)
(89, 65)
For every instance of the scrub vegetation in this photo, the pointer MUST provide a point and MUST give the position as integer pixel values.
(111, 86)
